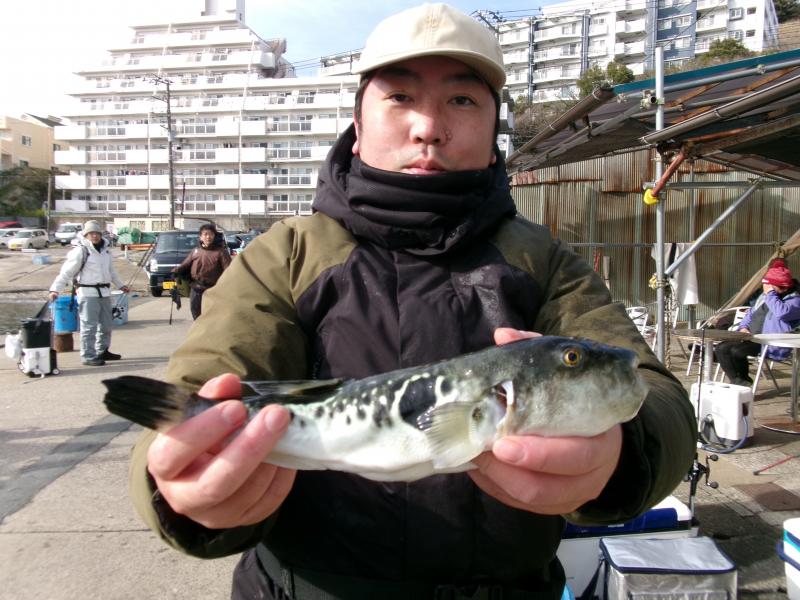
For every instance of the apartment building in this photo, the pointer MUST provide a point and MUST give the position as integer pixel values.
(247, 137)
(546, 54)
(26, 141)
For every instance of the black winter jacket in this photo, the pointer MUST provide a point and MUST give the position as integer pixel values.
(383, 277)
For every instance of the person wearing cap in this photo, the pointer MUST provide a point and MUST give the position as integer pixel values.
(414, 253)
(89, 268)
(776, 310)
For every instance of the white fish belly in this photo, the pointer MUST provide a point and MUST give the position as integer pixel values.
(345, 441)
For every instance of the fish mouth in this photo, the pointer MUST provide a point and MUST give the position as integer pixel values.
(504, 396)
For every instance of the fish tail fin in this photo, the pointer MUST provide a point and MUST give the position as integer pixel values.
(148, 402)
(455, 432)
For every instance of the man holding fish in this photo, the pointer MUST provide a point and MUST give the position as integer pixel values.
(414, 254)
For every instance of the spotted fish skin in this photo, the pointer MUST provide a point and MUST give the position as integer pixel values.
(414, 422)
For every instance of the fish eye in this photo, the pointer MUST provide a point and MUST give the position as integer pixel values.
(571, 357)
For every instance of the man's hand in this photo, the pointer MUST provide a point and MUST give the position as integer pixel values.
(217, 480)
(52, 296)
(547, 475)
(125, 289)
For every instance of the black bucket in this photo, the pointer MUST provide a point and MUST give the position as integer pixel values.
(35, 333)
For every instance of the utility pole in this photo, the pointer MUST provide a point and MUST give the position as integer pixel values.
(157, 79)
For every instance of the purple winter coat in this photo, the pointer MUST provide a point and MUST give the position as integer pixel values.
(783, 317)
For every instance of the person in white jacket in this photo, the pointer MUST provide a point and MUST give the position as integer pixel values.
(90, 265)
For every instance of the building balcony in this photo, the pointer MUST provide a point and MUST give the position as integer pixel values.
(70, 157)
(552, 95)
(70, 132)
(557, 53)
(556, 75)
(515, 34)
(185, 39)
(72, 206)
(633, 6)
(185, 60)
(711, 24)
(560, 32)
(320, 153)
(598, 29)
(71, 182)
(706, 4)
(623, 49)
(628, 28)
(250, 181)
(704, 45)
(597, 50)
(515, 58)
(330, 126)
(343, 68)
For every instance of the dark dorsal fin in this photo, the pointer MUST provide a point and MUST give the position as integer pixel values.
(299, 391)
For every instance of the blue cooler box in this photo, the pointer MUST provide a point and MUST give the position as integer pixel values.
(65, 314)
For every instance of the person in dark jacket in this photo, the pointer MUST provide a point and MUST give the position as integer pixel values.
(414, 253)
(776, 310)
(204, 265)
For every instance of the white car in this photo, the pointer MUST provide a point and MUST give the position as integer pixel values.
(29, 238)
(6, 235)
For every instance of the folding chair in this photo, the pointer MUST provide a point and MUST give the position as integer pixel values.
(762, 362)
(696, 348)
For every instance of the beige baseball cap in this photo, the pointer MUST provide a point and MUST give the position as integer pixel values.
(434, 30)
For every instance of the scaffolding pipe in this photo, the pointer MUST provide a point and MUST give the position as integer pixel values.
(598, 97)
(699, 241)
(658, 55)
(749, 102)
(662, 181)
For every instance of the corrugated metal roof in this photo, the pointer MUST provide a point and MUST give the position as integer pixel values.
(744, 114)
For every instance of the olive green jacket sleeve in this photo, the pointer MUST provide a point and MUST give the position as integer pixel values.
(248, 327)
(660, 442)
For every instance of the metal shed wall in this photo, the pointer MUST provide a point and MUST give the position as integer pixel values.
(597, 207)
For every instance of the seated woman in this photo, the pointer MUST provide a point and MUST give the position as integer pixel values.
(776, 310)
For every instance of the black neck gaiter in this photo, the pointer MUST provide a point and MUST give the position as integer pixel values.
(421, 214)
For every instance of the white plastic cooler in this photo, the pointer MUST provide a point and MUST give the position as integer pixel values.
(725, 414)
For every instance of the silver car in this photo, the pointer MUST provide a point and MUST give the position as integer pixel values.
(29, 238)
(7, 234)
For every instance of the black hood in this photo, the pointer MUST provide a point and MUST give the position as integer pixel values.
(421, 214)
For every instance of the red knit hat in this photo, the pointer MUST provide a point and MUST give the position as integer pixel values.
(778, 274)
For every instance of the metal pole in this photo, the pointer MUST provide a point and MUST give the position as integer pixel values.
(157, 79)
(692, 209)
(170, 160)
(717, 222)
(658, 55)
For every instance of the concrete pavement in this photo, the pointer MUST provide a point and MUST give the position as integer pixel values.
(68, 531)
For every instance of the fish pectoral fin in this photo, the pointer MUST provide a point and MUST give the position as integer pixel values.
(451, 434)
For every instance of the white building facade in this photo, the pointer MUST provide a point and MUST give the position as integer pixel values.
(248, 137)
(545, 55)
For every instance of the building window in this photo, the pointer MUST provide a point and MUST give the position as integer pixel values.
(56, 147)
(750, 33)
(23, 163)
(736, 34)
(735, 13)
(751, 10)
(26, 140)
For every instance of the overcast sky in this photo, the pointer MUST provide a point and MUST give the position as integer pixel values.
(43, 41)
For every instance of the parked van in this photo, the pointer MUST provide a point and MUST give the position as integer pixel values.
(171, 248)
(67, 231)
